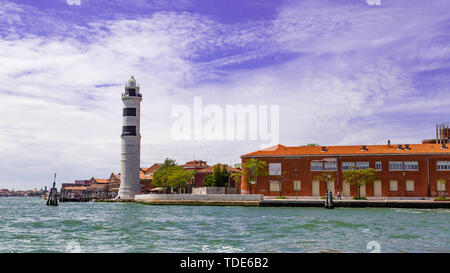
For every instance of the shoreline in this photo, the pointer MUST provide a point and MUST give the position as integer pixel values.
(259, 201)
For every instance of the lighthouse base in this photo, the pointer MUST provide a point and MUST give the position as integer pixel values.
(127, 193)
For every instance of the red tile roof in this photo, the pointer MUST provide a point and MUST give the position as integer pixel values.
(281, 150)
(101, 181)
(97, 186)
(195, 164)
(76, 188)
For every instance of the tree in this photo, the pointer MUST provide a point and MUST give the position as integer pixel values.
(311, 144)
(172, 176)
(326, 177)
(219, 178)
(225, 176)
(209, 181)
(178, 177)
(168, 163)
(251, 170)
(360, 177)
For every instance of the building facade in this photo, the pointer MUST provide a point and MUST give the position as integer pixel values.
(416, 170)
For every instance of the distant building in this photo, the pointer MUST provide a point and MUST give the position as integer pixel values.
(146, 177)
(202, 170)
(114, 182)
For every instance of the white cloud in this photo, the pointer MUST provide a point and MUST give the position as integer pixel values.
(73, 2)
(61, 103)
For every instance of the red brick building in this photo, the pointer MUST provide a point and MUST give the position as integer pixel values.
(405, 170)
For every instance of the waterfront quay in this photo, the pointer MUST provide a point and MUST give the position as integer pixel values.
(258, 200)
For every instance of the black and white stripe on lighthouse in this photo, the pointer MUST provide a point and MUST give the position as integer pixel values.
(131, 141)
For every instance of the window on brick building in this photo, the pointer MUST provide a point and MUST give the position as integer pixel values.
(362, 165)
(297, 185)
(274, 185)
(396, 166)
(378, 165)
(411, 166)
(348, 166)
(330, 166)
(409, 185)
(443, 165)
(316, 166)
(393, 185)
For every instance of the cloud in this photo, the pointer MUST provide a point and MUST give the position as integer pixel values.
(73, 2)
(347, 74)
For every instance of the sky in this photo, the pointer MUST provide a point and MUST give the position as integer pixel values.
(342, 73)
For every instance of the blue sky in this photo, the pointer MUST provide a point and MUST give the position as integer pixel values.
(342, 72)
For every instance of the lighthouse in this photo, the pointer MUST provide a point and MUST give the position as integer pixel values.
(131, 141)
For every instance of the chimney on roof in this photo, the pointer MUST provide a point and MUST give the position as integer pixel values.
(407, 147)
(389, 143)
(363, 148)
(399, 147)
(324, 149)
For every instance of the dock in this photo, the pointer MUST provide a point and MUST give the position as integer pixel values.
(258, 200)
(411, 204)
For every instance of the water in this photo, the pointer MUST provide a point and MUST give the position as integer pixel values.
(27, 225)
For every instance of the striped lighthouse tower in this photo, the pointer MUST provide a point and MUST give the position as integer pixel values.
(131, 141)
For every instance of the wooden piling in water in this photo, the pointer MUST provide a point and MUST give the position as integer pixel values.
(52, 199)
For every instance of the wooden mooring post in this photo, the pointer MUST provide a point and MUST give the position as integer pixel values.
(52, 199)
(329, 200)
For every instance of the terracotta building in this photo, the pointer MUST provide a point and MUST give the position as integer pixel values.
(405, 170)
(146, 177)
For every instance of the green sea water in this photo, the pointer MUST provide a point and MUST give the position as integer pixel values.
(28, 225)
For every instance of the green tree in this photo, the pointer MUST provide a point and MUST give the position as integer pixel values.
(178, 177)
(168, 163)
(224, 177)
(360, 177)
(326, 177)
(219, 178)
(311, 144)
(209, 181)
(217, 174)
(251, 170)
(172, 177)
